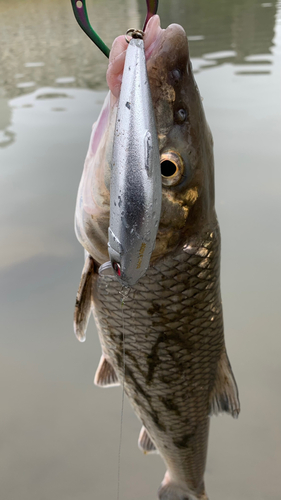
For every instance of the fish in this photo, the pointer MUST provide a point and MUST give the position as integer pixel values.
(162, 338)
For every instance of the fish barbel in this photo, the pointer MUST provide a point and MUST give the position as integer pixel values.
(169, 329)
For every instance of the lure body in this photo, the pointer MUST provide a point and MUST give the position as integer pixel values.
(136, 185)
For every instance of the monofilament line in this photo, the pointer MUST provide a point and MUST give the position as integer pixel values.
(123, 395)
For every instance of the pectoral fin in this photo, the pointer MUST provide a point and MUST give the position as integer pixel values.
(83, 300)
(145, 442)
(105, 374)
(225, 393)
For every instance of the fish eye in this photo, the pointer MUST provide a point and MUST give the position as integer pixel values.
(176, 75)
(181, 115)
(172, 168)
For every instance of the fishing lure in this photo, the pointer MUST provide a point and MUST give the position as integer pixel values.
(135, 192)
(136, 184)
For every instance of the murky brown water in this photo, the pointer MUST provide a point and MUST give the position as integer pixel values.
(59, 434)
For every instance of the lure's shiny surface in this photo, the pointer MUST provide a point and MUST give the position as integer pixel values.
(136, 185)
(177, 372)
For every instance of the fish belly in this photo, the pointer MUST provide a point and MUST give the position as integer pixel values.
(164, 340)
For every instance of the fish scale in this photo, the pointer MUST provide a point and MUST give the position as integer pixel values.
(161, 373)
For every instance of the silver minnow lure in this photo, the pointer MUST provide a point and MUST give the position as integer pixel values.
(136, 185)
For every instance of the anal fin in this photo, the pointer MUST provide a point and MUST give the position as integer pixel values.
(105, 375)
(225, 396)
(83, 300)
(145, 442)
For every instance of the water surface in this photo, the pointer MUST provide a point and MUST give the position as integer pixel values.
(59, 433)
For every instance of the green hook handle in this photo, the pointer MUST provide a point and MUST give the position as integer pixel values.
(152, 6)
(81, 15)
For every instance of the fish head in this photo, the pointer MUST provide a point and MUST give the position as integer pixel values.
(185, 146)
(185, 142)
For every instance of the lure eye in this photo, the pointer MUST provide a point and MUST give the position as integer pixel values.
(117, 268)
(172, 168)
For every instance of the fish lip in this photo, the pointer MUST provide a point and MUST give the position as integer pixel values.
(154, 45)
(174, 34)
(160, 45)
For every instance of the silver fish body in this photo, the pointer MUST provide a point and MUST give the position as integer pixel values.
(165, 340)
(136, 185)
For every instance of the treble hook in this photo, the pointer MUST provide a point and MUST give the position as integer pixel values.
(81, 15)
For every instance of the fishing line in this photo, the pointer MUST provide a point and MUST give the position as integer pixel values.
(106, 272)
(124, 293)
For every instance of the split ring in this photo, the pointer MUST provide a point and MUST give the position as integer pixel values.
(134, 34)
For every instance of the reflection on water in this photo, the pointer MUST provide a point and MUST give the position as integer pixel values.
(6, 135)
(242, 27)
(38, 158)
(44, 46)
(59, 434)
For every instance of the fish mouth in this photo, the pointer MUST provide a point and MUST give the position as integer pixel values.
(158, 42)
(118, 51)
